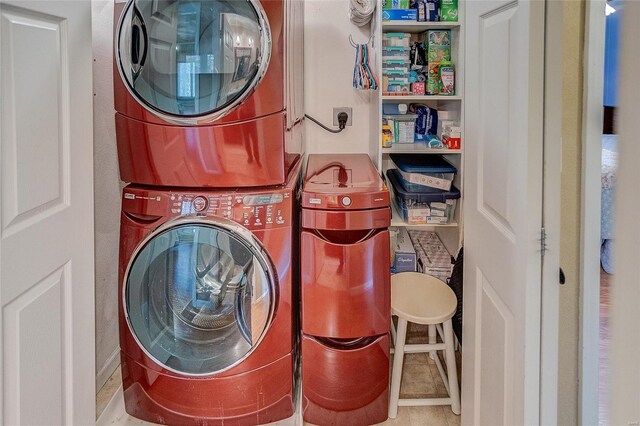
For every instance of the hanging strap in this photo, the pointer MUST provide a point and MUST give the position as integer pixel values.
(363, 76)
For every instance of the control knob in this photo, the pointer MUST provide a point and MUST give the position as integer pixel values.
(199, 204)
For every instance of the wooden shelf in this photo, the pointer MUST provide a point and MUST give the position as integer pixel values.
(425, 98)
(416, 27)
(417, 148)
(396, 220)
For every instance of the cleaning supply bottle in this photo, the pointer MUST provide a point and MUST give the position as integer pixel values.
(387, 137)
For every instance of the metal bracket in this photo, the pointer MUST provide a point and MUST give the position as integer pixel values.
(543, 241)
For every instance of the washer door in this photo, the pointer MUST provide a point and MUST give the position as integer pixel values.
(192, 61)
(199, 295)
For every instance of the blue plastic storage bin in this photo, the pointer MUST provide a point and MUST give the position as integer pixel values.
(396, 53)
(424, 173)
(423, 208)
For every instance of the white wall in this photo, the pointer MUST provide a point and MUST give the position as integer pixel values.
(328, 62)
(107, 194)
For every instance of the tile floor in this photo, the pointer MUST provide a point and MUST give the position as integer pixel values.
(420, 379)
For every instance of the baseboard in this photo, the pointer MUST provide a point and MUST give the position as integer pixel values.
(114, 411)
(107, 369)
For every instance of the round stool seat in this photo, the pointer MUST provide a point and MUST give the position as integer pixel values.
(421, 298)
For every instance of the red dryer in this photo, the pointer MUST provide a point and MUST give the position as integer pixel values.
(209, 304)
(208, 93)
(346, 297)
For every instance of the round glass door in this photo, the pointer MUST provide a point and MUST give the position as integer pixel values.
(189, 61)
(199, 297)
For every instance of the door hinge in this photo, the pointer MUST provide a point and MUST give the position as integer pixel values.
(543, 241)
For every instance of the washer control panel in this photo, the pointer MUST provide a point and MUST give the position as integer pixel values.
(254, 208)
(253, 211)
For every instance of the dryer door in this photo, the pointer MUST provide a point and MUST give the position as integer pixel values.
(192, 61)
(199, 295)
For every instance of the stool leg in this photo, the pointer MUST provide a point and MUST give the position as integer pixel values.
(452, 369)
(396, 372)
(393, 332)
(433, 338)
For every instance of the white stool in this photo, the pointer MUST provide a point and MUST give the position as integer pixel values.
(423, 299)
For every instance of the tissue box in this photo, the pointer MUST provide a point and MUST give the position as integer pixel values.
(433, 78)
(418, 88)
(400, 15)
(449, 10)
(439, 46)
(405, 253)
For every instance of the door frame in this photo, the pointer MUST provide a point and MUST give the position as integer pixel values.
(592, 118)
(624, 315)
(551, 198)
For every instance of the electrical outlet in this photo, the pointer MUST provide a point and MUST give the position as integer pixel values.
(337, 111)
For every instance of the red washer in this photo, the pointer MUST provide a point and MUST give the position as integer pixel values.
(208, 93)
(346, 297)
(208, 307)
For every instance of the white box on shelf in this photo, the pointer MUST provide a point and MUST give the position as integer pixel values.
(433, 257)
(439, 181)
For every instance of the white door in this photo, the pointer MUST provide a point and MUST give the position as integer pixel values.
(46, 214)
(503, 211)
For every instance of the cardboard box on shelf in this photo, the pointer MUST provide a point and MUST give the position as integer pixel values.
(400, 15)
(449, 10)
(451, 136)
(447, 80)
(438, 46)
(433, 257)
(418, 88)
(395, 4)
(405, 253)
(433, 78)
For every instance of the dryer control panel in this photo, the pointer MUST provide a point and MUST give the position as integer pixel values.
(253, 210)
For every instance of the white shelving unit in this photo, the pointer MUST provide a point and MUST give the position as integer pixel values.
(425, 98)
(417, 148)
(416, 27)
(451, 234)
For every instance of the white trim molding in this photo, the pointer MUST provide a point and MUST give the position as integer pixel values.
(107, 369)
(592, 117)
(551, 214)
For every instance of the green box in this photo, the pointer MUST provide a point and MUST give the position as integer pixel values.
(449, 10)
(447, 79)
(438, 46)
(433, 78)
(395, 4)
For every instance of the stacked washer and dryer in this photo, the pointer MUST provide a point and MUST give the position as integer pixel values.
(208, 99)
